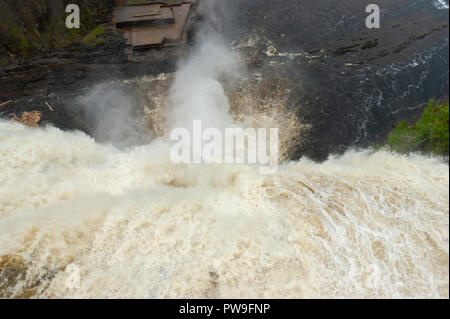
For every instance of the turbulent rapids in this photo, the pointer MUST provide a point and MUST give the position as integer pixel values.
(361, 225)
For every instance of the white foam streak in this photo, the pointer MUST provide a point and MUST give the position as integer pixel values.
(441, 4)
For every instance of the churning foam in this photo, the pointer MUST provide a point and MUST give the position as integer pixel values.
(441, 4)
(137, 225)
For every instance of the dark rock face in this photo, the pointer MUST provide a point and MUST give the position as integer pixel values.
(349, 82)
(32, 26)
(58, 76)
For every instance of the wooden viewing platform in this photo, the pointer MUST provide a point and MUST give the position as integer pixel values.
(152, 24)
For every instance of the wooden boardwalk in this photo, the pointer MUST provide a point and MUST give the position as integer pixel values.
(153, 24)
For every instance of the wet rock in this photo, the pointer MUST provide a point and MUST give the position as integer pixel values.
(344, 50)
(370, 44)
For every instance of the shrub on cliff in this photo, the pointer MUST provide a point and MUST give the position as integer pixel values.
(429, 134)
(32, 26)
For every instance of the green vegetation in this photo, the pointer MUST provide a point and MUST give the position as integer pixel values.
(93, 37)
(429, 134)
(32, 26)
(73, 35)
(19, 42)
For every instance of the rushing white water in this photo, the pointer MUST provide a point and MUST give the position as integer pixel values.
(441, 4)
(362, 225)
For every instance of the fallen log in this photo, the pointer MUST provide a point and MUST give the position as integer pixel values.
(7, 102)
(48, 105)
